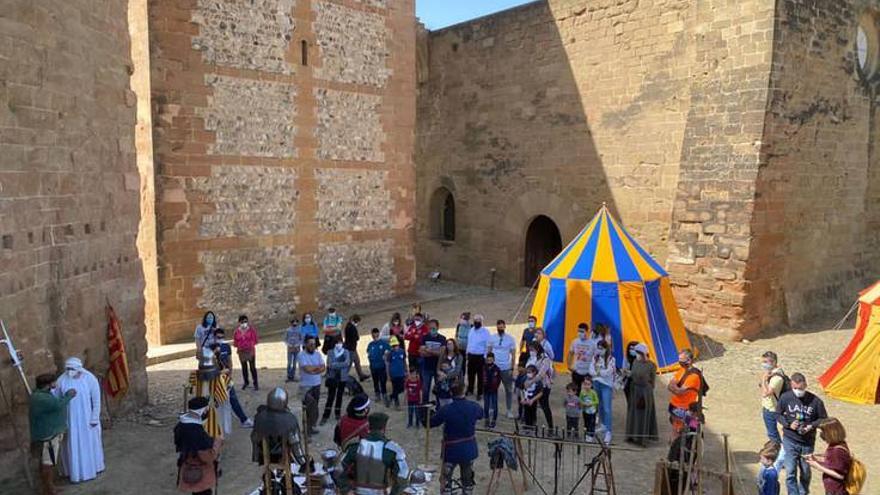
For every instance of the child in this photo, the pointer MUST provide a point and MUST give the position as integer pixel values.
(532, 392)
(768, 477)
(519, 386)
(376, 354)
(395, 360)
(443, 389)
(491, 382)
(413, 386)
(572, 405)
(589, 408)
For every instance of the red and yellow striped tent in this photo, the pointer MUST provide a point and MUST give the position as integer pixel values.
(855, 376)
(604, 276)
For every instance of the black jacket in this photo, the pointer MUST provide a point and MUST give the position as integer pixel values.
(350, 337)
(807, 410)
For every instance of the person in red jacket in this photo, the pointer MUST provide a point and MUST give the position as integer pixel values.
(414, 335)
(353, 426)
(245, 340)
(413, 386)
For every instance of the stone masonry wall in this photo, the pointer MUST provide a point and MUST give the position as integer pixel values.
(816, 197)
(69, 203)
(349, 273)
(263, 155)
(551, 109)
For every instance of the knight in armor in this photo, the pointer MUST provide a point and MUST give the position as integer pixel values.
(354, 425)
(209, 382)
(374, 465)
(275, 423)
(459, 421)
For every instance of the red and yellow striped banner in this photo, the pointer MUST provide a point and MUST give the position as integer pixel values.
(116, 380)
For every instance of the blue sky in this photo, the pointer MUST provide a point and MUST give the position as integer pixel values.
(438, 14)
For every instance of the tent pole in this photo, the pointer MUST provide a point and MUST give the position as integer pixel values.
(523, 303)
(848, 313)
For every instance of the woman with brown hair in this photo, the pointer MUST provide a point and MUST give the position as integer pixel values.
(451, 354)
(837, 460)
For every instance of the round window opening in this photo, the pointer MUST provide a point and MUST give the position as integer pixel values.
(867, 47)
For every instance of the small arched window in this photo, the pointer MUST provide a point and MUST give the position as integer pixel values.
(443, 215)
(867, 46)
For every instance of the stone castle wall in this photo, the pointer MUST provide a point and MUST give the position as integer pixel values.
(283, 135)
(69, 197)
(740, 159)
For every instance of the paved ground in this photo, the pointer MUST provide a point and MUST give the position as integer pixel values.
(140, 454)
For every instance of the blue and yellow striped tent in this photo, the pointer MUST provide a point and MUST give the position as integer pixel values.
(604, 277)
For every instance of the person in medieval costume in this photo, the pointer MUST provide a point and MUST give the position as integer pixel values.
(209, 382)
(354, 425)
(275, 422)
(459, 421)
(82, 452)
(374, 465)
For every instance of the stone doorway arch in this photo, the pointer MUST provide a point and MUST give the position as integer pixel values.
(543, 243)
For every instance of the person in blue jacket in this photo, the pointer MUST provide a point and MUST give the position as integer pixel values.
(459, 420)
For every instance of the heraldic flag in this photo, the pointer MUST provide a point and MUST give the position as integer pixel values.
(604, 277)
(116, 381)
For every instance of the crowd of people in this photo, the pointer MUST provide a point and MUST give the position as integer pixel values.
(450, 381)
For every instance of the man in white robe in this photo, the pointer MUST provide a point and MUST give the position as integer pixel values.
(82, 453)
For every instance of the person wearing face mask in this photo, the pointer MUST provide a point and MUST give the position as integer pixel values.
(413, 335)
(204, 334)
(544, 366)
(351, 336)
(197, 451)
(478, 340)
(503, 347)
(309, 328)
(685, 388)
(772, 383)
(223, 354)
(293, 337)
(800, 413)
(526, 340)
(245, 340)
(332, 326)
(47, 414)
(580, 356)
(394, 328)
(629, 358)
(533, 390)
(311, 366)
(338, 369)
(541, 338)
(82, 451)
(462, 332)
(641, 415)
(430, 348)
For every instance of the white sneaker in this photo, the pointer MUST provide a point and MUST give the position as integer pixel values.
(590, 439)
(510, 415)
(607, 439)
(248, 423)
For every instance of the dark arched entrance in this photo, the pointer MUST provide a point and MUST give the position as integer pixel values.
(543, 243)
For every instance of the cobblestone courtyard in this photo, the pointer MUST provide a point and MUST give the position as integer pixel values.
(141, 459)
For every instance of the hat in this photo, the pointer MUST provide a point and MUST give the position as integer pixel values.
(394, 340)
(378, 421)
(360, 402)
(197, 403)
(73, 363)
(642, 348)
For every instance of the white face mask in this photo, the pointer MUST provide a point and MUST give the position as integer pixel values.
(582, 335)
(533, 354)
(307, 319)
(418, 322)
(767, 366)
(332, 313)
(531, 376)
(799, 393)
(338, 346)
(632, 352)
(532, 324)
(72, 373)
(243, 326)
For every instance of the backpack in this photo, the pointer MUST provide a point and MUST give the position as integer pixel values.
(192, 470)
(704, 385)
(855, 477)
(786, 383)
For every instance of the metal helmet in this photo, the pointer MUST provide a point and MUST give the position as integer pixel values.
(207, 364)
(277, 399)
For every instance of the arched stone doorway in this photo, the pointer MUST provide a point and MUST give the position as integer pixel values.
(543, 243)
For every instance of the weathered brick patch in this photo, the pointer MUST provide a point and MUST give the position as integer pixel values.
(349, 127)
(354, 272)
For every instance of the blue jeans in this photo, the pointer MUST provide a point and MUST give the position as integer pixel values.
(606, 395)
(291, 364)
(236, 405)
(795, 462)
(772, 426)
(428, 375)
(490, 405)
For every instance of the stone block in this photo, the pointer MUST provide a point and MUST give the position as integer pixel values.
(354, 272)
(352, 200)
(349, 126)
(246, 35)
(352, 44)
(250, 117)
(247, 200)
